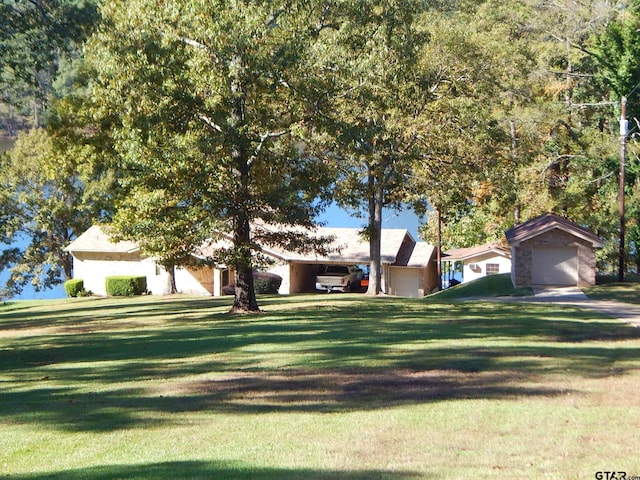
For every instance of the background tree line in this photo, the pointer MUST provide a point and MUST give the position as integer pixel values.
(194, 121)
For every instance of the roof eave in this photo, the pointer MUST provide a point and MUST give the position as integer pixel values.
(597, 243)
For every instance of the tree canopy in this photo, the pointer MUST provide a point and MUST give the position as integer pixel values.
(40, 43)
(48, 200)
(217, 119)
(213, 102)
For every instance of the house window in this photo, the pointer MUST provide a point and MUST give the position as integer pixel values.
(493, 268)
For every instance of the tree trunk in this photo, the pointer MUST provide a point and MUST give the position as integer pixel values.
(375, 235)
(245, 296)
(515, 159)
(67, 264)
(439, 248)
(171, 270)
(245, 300)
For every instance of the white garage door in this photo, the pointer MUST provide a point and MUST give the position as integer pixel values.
(554, 266)
(404, 282)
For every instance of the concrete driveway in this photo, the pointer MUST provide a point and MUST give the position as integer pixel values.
(626, 312)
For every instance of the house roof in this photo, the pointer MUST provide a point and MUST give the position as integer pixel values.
(348, 247)
(422, 254)
(544, 223)
(480, 250)
(96, 240)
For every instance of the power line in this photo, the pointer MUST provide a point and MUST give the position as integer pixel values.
(633, 89)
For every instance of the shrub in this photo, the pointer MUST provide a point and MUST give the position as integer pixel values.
(126, 286)
(74, 287)
(265, 282)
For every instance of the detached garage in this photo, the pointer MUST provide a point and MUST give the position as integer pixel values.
(551, 250)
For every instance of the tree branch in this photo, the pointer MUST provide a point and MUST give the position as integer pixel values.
(275, 15)
(193, 43)
(211, 123)
(263, 138)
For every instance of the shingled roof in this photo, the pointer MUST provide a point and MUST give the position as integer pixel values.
(544, 223)
(348, 246)
(398, 247)
(472, 252)
(96, 240)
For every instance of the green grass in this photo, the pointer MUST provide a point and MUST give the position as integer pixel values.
(316, 387)
(489, 286)
(627, 292)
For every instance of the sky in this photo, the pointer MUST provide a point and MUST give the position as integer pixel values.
(334, 216)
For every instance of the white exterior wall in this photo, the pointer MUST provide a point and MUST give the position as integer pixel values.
(479, 265)
(94, 268)
(190, 281)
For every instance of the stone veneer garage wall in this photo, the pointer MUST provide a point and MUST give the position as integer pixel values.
(522, 257)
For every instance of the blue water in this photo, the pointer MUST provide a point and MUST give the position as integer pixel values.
(29, 292)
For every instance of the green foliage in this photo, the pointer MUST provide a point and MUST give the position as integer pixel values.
(74, 287)
(40, 42)
(266, 282)
(616, 51)
(125, 286)
(213, 101)
(381, 84)
(47, 197)
(217, 120)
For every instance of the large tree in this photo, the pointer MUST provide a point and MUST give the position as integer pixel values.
(47, 198)
(208, 104)
(553, 150)
(382, 86)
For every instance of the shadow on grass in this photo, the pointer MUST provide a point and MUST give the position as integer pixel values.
(127, 364)
(627, 292)
(23, 315)
(212, 470)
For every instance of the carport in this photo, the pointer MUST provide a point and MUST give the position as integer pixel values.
(408, 267)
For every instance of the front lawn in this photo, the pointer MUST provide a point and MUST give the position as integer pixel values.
(627, 292)
(317, 387)
(489, 286)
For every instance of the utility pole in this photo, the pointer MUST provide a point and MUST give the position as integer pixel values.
(624, 129)
(439, 248)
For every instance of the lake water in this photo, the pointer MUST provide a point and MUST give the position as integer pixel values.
(29, 292)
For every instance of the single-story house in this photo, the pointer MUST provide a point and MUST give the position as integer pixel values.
(551, 250)
(408, 267)
(96, 257)
(477, 262)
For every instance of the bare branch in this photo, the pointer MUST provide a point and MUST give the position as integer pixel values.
(598, 104)
(275, 15)
(211, 123)
(193, 43)
(263, 138)
(604, 177)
